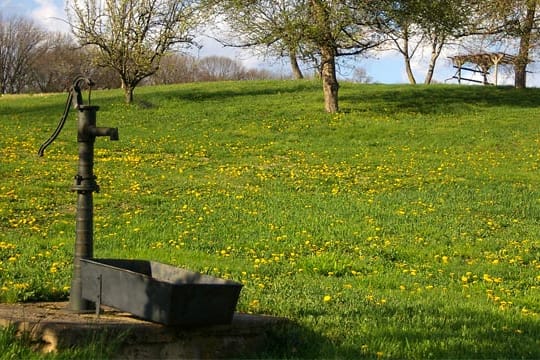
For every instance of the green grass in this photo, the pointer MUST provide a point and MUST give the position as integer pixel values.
(15, 346)
(406, 226)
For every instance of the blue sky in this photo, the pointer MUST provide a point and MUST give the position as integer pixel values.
(382, 67)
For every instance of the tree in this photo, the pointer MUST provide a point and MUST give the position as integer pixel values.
(400, 26)
(58, 65)
(174, 69)
(217, 68)
(361, 76)
(20, 46)
(273, 27)
(412, 24)
(525, 43)
(443, 21)
(131, 36)
(61, 61)
(317, 31)
(517, 21)
(340, 28)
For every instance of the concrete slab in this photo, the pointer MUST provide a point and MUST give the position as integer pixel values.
(52, 328)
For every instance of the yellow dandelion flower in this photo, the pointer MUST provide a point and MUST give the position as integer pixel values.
(327, 298)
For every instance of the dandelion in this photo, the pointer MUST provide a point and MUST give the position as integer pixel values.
(327, 298)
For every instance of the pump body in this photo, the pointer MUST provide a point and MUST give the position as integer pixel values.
(85, 185)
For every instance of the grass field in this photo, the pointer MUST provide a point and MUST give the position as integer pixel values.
(406, 226)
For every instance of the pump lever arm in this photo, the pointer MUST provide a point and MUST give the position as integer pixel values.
(76, 88)
(58, 128)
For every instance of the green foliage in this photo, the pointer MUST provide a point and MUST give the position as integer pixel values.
(405, 226)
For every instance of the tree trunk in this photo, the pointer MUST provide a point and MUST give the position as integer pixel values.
(436, 48)
(408, 69)
(522, 59)
(297, 73)
(407, 56)
(329, 80)
(128, 91)
(326, 44)
(128, 94)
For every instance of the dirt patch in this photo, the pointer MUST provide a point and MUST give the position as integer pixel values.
(52, 327)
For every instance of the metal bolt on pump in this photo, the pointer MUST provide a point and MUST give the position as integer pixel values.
(85, 183)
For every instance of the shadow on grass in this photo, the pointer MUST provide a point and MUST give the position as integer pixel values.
(415, 331)
(436, 99)
(199, 92)
(37, 107)
(291, 340)
(454, 332)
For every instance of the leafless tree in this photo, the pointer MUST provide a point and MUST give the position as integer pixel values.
(57, 65)
(214, 68)
(21, 45)
(181, 68)
(175, 68)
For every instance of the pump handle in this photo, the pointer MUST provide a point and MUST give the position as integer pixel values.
(76, 88)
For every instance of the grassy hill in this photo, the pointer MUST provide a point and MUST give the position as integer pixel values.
(406, 226)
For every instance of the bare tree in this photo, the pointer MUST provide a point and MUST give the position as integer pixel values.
(174, 69)
(59, 63)
(214, 68)
(180, 68)
(131, 36)
(361, 76)
(21, 44)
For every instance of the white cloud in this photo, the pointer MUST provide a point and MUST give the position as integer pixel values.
(50, 14)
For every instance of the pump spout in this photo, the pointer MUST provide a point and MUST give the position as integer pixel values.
(112, 133)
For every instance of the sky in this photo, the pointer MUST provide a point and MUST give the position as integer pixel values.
(382, 67)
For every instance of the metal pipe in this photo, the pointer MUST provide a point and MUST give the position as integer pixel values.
(85, 185)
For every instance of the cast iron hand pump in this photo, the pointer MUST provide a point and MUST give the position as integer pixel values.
(85, 182)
